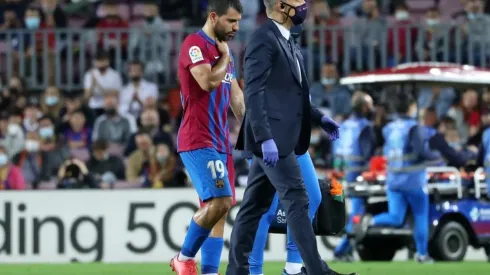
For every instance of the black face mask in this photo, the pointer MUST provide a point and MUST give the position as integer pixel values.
(370, 115)
(13, 91)
(135, 78)
(150, 19)
(103, 69)
(110, 111)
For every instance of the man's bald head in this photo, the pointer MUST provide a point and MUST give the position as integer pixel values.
(362, 103)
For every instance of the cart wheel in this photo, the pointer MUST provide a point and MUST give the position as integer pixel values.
(450, 243)
(369, 250)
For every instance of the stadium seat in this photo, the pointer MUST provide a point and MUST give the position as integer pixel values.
(449, 7)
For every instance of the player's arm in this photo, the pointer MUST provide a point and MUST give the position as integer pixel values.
(258, 64)
(208, 77)
(237, 102)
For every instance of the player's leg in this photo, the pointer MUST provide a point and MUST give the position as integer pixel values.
(256, 258)
(210, 178)
(418, 199)
(213, 246)
(294, 261)
(357, 208)
(397, 209)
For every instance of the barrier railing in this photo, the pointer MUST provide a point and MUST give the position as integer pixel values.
(478, 176)
(61, 57)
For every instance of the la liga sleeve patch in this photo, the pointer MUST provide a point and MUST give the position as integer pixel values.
(195, 54)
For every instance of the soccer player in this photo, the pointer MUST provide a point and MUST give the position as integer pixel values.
(208, 88)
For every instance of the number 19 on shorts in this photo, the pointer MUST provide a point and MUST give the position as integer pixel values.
(217, 168)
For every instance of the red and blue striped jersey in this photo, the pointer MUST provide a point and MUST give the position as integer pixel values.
(205, 114)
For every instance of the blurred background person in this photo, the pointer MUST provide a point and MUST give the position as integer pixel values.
(11, 177)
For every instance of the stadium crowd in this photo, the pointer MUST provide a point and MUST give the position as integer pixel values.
(119, 131)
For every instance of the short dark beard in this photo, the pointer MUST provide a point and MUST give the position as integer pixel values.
(221, 36)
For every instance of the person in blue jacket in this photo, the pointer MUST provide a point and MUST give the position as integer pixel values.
(354, 149)
(483, 160)
(446, 152)
(406, 152)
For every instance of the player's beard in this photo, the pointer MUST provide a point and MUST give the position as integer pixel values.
(221, 34)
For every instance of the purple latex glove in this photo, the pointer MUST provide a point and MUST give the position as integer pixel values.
(331, 127)
(270, 153)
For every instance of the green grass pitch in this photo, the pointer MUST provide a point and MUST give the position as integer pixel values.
(397, 268)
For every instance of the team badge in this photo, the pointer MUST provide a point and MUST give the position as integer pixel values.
(220, 183)
(195, 54)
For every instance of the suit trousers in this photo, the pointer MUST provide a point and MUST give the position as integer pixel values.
(263, 182)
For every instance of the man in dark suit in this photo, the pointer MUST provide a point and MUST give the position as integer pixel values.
(276, 128)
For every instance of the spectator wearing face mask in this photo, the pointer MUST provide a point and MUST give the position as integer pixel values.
(104, 165)
(29, 160)
(40, 34)
(32, 113)
(113, 126)
(474, 34)
(366, 35)
(153, 32)
(163, 167)
(98, 80)
(137, 91)
(150, 123)
(431, 38)
(11, 177)
(401, 29)
(51, 102)
(14, 139)
(78, 135)
(328, 93)
(53, 152)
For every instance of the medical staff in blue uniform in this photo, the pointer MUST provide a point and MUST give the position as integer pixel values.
(354, 149)
(483, 159)
(406, 152)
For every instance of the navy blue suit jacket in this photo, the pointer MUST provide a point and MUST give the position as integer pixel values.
(277, 102)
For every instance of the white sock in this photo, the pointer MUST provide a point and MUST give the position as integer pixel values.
(183, 258)
(293, 268)
(257, 274)
(210, 274)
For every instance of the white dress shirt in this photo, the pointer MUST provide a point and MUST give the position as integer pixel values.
(110, 80)
(146, 90)
(287, 34)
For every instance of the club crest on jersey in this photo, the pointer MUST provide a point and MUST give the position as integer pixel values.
(195, 54)
(227, 79)
(220, 183)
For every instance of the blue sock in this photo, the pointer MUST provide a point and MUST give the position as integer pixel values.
(194, 239)
(211, 255)
(293, 255)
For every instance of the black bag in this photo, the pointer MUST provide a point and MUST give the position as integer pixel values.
(330, 219)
